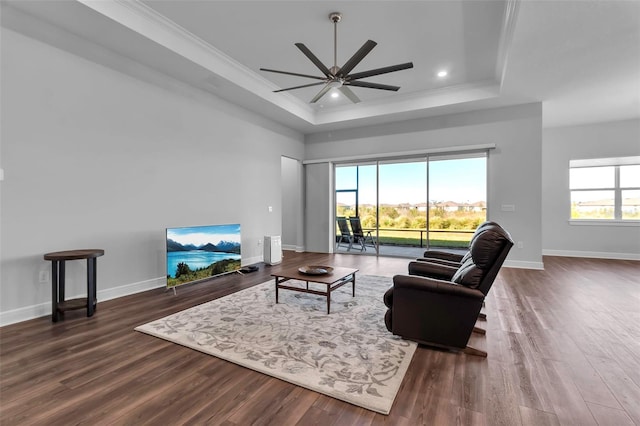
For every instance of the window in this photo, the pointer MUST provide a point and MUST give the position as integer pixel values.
(605, 189)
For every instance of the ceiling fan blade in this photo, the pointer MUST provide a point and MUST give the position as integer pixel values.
(299, 87)
(356, 58)
(379, 71)
(349, 94)
(320, 94)
(372, 85)
(313, 59)
(293, 73)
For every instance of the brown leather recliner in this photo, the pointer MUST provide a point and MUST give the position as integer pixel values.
(432, 258)
(443, 311)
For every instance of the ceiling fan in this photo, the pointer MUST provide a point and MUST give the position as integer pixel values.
(340, 77)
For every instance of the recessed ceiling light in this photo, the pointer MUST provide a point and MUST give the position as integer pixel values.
(334, 94)
(442, 73)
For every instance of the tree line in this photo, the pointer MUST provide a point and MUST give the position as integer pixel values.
(410, 217)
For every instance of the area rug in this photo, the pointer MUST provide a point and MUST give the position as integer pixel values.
(348, 354)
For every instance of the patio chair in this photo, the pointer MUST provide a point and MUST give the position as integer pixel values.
(361, 236)
(345, 236)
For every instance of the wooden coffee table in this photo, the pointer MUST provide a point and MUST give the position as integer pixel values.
(334, 280)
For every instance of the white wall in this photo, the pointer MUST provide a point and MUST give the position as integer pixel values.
(94, 158)
(613, 139)
(292, 204)
(319, 216)
(514, 166)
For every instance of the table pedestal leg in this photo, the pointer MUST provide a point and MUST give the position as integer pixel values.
(61, 281)
(91, 286)
(353, 283)
(54, 291)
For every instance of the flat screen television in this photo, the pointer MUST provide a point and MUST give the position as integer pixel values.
(196, 253)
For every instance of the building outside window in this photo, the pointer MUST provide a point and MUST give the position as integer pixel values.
(605, 189)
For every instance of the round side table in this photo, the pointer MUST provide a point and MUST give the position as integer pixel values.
(58, 304)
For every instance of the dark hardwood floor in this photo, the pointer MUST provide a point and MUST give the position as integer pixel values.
(563, 343)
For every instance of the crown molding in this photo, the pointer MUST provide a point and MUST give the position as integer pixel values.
(415, 101)
(145, 21)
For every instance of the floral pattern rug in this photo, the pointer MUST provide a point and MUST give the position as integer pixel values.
(348, 354)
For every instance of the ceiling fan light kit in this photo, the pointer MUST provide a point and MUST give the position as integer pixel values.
(340, 78)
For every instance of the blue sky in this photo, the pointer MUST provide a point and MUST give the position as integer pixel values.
(200, 235)
(450, 180)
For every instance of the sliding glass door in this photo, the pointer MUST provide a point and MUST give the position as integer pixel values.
(356, 198)
(457, 199)
(402, 202)
(412, 204)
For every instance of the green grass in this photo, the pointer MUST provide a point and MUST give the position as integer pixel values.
(416, 242)
(412, 239)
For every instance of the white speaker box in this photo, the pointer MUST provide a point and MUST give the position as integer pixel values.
(272, 250)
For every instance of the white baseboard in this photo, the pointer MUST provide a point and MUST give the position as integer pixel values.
(592, 254)
(127, 289)
(42, 309)
(291, 247)
(25, 313)
(522, 264)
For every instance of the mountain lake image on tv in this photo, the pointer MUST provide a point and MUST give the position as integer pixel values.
(200, 252)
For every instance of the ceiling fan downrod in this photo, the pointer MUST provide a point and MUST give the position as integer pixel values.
(335, 17)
